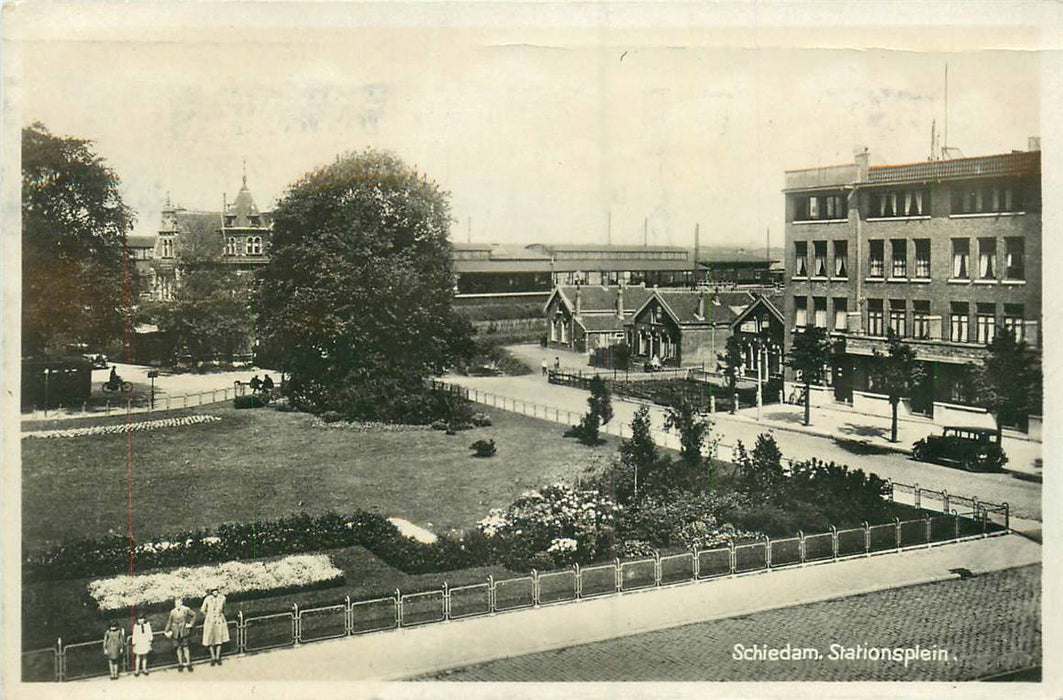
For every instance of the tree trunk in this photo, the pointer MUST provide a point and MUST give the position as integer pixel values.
(808, 404)
(893, 423)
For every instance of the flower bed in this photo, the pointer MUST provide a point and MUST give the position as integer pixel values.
(237, 579)
(176, 422)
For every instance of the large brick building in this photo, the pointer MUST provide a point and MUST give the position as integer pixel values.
(943, 252)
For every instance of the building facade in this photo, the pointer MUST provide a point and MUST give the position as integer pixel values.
(943, 252)
(684, 327)
(584, 318)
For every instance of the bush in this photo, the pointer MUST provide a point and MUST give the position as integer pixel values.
(439, 425)
(331, 417)
(480, 420)
(483, 448)
(249, 401)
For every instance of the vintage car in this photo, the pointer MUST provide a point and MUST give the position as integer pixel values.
(974, 449)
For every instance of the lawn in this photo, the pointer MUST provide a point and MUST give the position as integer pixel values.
(257, 464)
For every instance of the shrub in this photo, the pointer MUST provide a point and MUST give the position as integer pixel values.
(439, 425)
(483, 448)
(249, 401)
(331, 417)
(480, 420)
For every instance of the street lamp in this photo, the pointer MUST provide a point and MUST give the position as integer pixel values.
(152, 373)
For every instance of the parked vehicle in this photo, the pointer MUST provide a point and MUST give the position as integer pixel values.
(973, 449)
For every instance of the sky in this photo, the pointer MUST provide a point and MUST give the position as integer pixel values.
(539, 135)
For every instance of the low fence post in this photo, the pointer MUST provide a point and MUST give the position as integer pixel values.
(619, 578)
(985, 522)
(767, 552)
(867, 539)
(801, 545)
(398, 608)
(492, 602)
(241, 636)
(656, 568)
(60, 660)
(732, 557)
(296, 631)
(697, 564)
(889, 482)
(579, 581)
(945, 500)
(446, 602)
(918, 495)
(1007, 516)
(929, 525)
(955, 525)
(348, 617)
(897, 532)
(535, 588)
(834, 543)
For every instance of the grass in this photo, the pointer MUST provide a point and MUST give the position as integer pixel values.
(257, 464)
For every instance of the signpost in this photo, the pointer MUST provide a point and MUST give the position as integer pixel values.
(152, 373)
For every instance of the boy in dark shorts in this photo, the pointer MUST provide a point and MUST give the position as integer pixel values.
(179, 629)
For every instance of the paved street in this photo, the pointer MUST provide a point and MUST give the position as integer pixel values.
(1023, 496)
(1005, 635)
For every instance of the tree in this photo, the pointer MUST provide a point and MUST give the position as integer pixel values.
(210, 314)
(732, 360)
(74, 282)
(809, 354)
(639, 452)
(762, 471)
(895, 374)
(601, 401)
(1009, 383)
(356, 301)
(694, 432)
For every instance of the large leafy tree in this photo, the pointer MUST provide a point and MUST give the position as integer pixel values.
(1009, 383)
(210, 314)
(75, 287)
(895, 373)
(810, 352)
(355, 303)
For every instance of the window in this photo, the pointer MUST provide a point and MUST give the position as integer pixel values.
(899, 258)
(253, 245)
(255, 221)
(961, 258)
(922, 258)
(800, 259)
(800, 311)
(898, 315)
(820, 207)
(230, 246)
(986, 322)
(987, 258)
(819, 264)
(874, 317)
(900, 203)
(1013, 320)
(841, 313)
(958, 321)
(876, 263)
(167, 248)
(921, 319)
(841, 259)
(230, 221)
(819, 306)
(1014, 268)
(987, 198)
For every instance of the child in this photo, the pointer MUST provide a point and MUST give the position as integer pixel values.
(113, 645)
(142, 637)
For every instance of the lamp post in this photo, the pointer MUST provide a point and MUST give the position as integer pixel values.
(152, 373)
(46, 372)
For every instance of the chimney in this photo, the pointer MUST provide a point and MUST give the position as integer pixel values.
(579, 300)
(620, 302)
(1033, 143)
(860, 156)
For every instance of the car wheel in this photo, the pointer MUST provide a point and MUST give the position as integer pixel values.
(968, 464)
(918, 453)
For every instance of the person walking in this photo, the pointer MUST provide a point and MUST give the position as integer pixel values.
(179, 628)
(142, 638)
(215, 627)
(544, 366)
(113, 646)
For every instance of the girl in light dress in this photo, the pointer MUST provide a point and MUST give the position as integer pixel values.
(215, 627)
(142, 638)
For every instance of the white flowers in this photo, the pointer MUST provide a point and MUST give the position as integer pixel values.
(123, 427)
(562, 544)
(494, 523)
(120, 592)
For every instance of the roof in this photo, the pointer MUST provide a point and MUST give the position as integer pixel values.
(682, 305)
(140, 241)
(736, 257)
(243, 207)
(619, 265)
(599, 324)
(197, 220)
(599, 298)
(1016, 163)
(465, 266)
(772, 302)
(597, 247)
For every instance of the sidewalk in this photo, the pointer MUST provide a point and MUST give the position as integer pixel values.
(1024, 456)
(411, 652)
